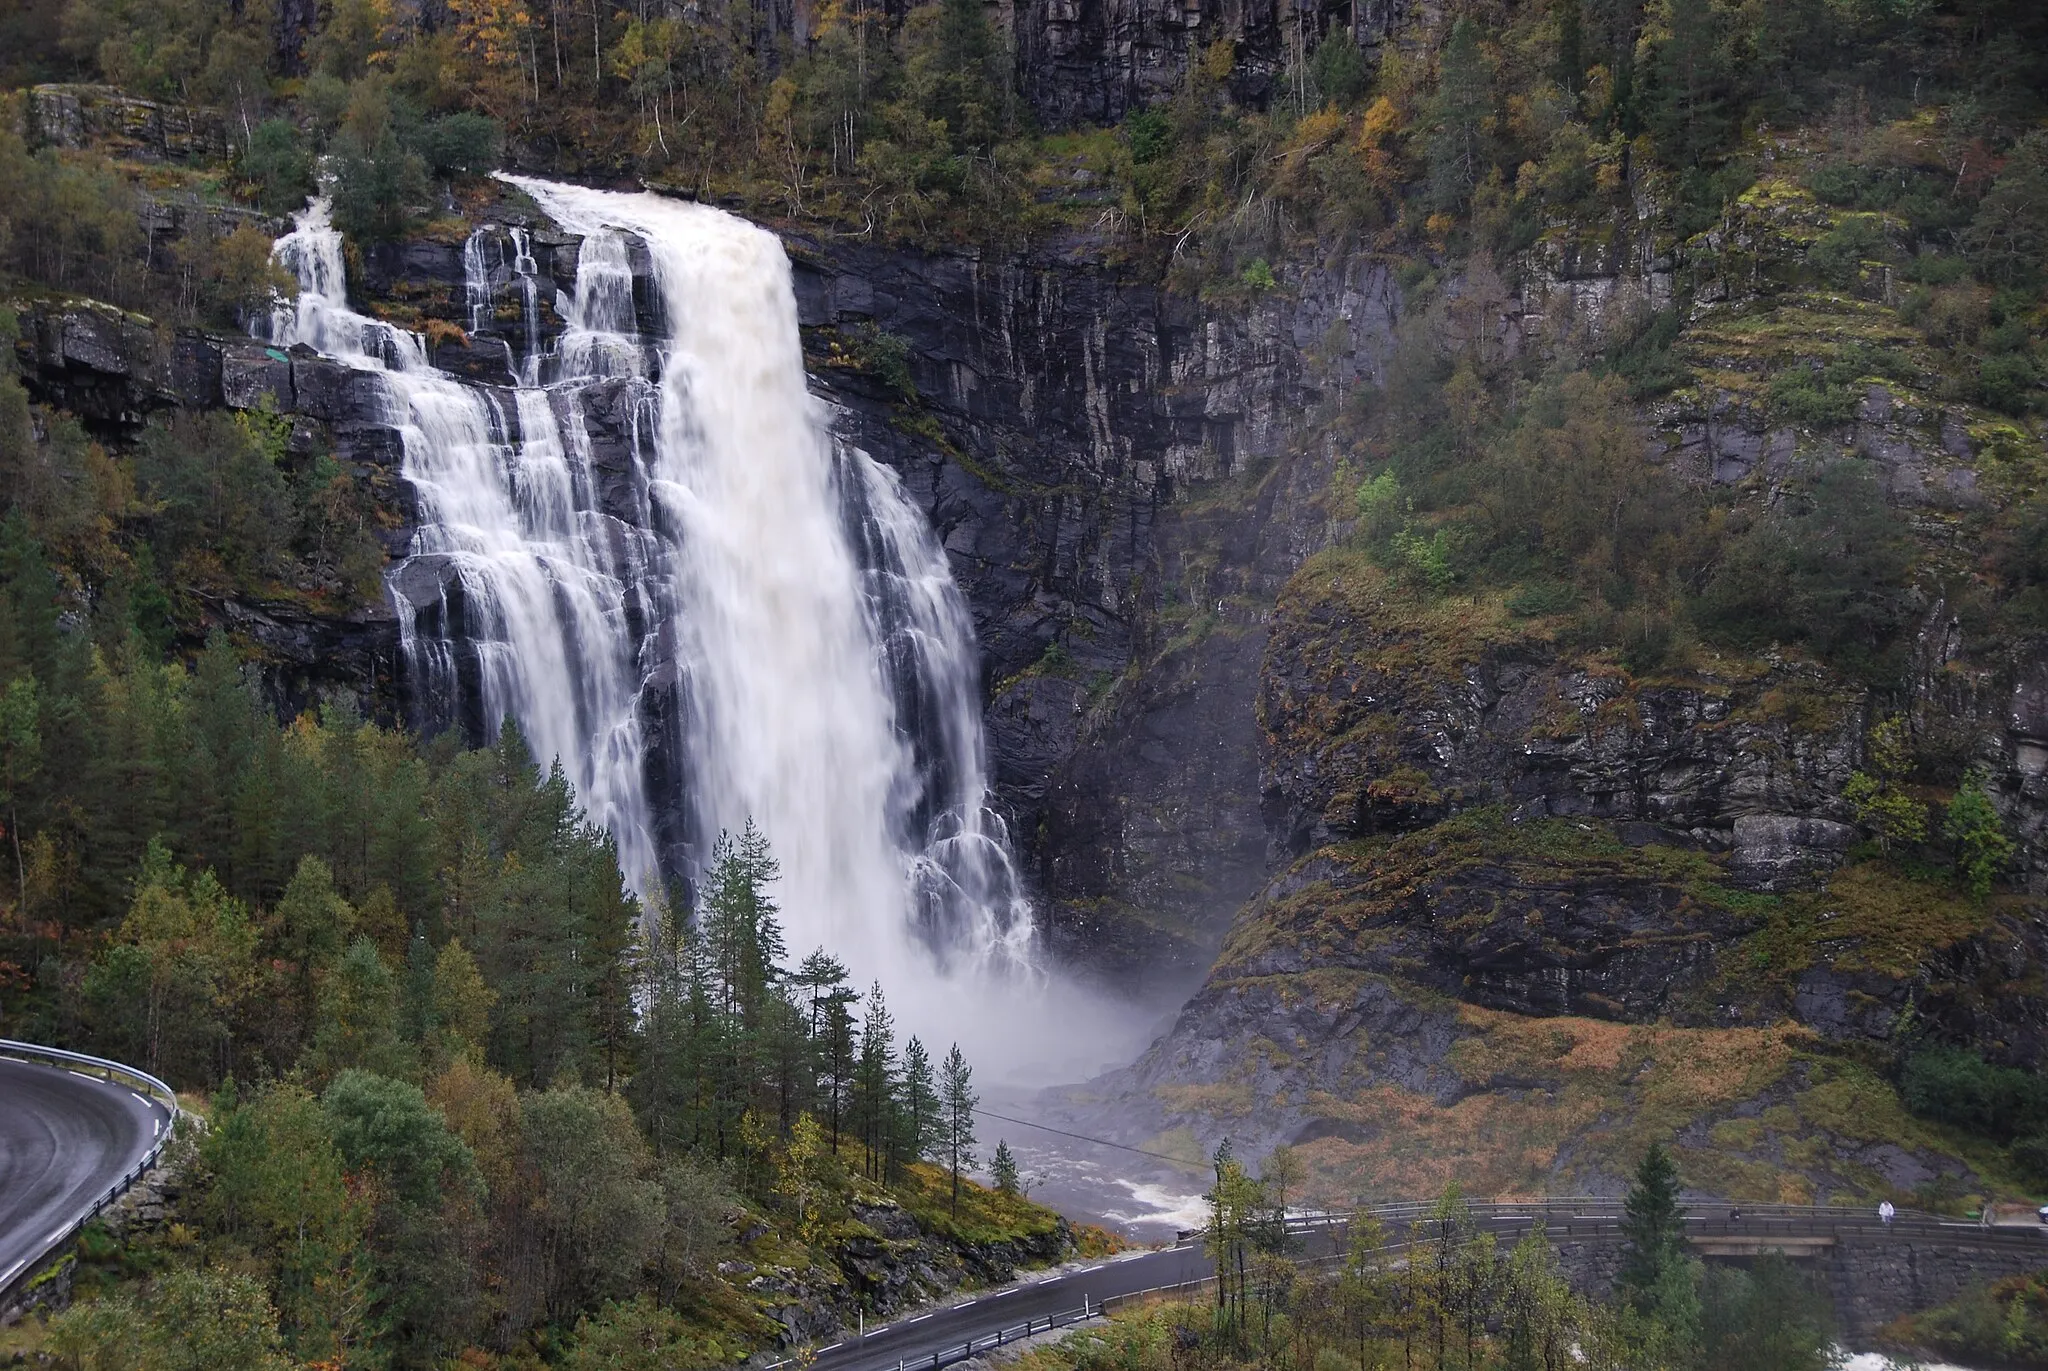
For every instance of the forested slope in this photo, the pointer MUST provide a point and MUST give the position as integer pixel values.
(1579, 464)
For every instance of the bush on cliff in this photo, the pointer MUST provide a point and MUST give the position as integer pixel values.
(1960, 1088)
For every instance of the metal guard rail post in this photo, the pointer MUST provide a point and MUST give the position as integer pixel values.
(77, 1062)
(959, 1352)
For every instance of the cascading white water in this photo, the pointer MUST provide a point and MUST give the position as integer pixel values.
(778, 585)
(828, 662)
(532, 592)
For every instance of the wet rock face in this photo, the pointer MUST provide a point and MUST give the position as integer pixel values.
(1062, 419)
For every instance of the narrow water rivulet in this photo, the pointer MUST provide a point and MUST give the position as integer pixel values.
(740, 594)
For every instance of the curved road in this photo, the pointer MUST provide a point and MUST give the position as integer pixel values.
(907, 1342)
(65, 1140)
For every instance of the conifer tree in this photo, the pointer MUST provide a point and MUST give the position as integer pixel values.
(920, 1101)
(1652, 1225)
(837, 1058)
(876, 1085)
(743, 952)
(21, 758)
(738, 919)
(461, 1003)
(358, 1025)
(1458, 142)
(818, 980)
(313, 925)
(957, 1103)
(1003, 1167)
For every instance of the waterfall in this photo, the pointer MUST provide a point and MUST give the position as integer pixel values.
(516, 598)
(725, 576)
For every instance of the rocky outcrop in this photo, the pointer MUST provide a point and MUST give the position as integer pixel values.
(112, 370)
(77, 116)
(885, 1265)
(1383, 720)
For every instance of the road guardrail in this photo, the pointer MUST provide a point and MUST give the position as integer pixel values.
(83, 1065)
(1562, 1216)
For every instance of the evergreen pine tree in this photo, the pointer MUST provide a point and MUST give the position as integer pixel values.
(21, 759)
(957, 1103)
(816, 980)
(359, 1017)
(1458, 144)
(738, 918)
(1004, 1167)
(1652, 1225)
(920, 1101)
(313, 925)
(1688, 102)
(838, 1058)
(876, 1085)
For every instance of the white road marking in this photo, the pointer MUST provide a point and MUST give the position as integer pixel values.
(963, 1306)
(1000, 1293)
(834, 1345)
(919, 1319)
(139, 1100)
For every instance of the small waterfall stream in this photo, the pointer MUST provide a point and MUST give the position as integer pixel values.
(728, 580)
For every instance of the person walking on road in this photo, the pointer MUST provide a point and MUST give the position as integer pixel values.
(1885, 1212)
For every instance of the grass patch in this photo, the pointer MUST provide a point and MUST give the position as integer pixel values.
(984, 1215)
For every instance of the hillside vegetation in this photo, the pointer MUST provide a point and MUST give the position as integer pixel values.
(1645, 733)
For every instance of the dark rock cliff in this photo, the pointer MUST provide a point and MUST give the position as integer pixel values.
(1118, 476)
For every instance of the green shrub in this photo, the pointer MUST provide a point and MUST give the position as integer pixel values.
(279, 166)
(1338, 71)
(378, 181)
(1428, 559)
(1380, 505)
(1841, 252)
(2030, 1156)
(2008, 381)
(1542, 597)
(1643, 359)
(1828, 568)
(1936, 269)
(1845, 184)
(1150, 136)
(2003, 1324)
(885, 356)
(460, 142)
(1813, 395)
(1973, 825)
(1960, 1088)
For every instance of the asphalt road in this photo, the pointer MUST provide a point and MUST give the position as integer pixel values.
(909, 1341)
(1010, 1307)
(65, 1139)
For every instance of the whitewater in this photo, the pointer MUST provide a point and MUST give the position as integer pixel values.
(773, 579)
